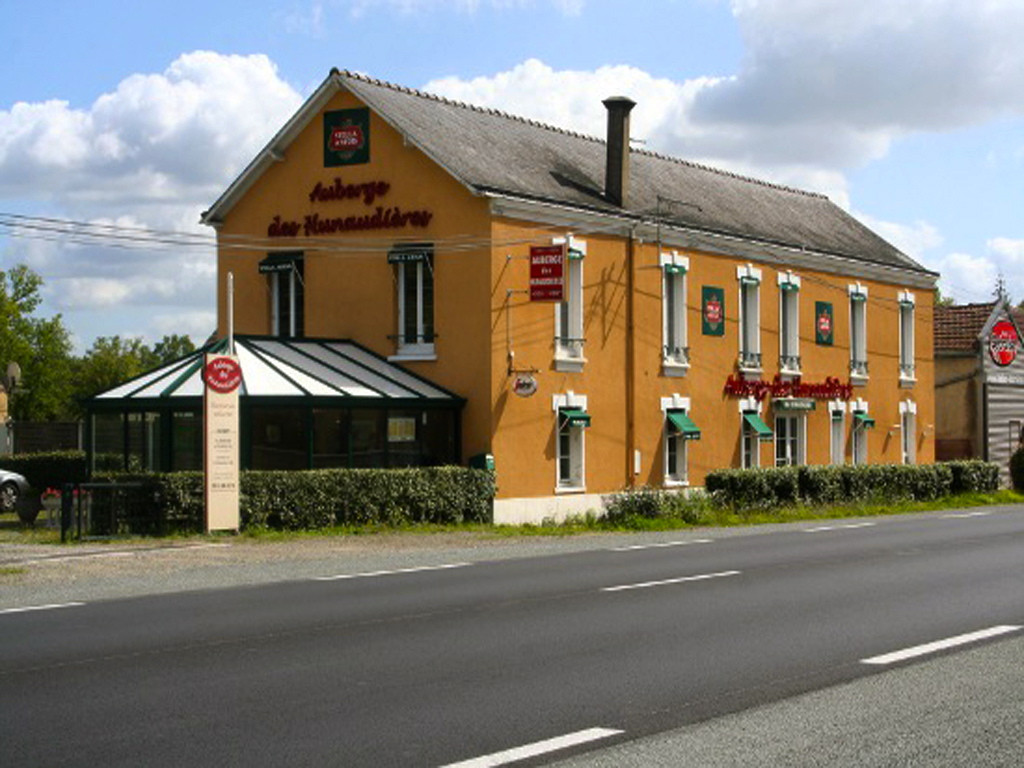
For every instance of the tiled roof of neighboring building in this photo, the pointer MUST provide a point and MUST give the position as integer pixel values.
(495, 153)
(957, 326)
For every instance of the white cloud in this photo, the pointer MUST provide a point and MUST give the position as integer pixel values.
(968, 278)
(153, 153)
(917, 240)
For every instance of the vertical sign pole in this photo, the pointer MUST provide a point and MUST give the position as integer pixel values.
(223, 376)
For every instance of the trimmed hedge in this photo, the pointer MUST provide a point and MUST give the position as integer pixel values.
(50, 469)
(1017, 469)
(314, 499)
(771, 488)
(650, 503)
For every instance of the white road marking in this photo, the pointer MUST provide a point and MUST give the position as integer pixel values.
(368, 574)
(680, 580)
(837, 527)
(536, 748)
(659, 545)
(50, 607)
(966, 514)
(940, 645)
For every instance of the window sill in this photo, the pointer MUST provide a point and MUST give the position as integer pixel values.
(676, 483)
(858, 381)
(674, 369)
(568, 489)
(906, 383)
(406, 357)
(790, 373)
(751, 373)
(570, 364)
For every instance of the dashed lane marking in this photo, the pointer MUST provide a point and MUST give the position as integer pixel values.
(537, 748)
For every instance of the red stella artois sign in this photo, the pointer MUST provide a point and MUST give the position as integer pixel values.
(713, 311)
(223, 374)
(824, 324)
(1002, 343)
(347, 138)
(830, 389)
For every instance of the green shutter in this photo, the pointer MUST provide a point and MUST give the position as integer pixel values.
(755, 423)
(683, 424)
(863, 419)
(574, 417)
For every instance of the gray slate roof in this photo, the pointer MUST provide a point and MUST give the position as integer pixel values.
(491, 151)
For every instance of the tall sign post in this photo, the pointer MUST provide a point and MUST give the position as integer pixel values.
(222, 376)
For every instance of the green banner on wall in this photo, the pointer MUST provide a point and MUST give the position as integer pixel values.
(712, 310)
(824, 322)
(346, 137)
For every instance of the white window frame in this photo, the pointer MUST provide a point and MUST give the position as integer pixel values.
(908, 431)
(907, 311)
(858, 333)
(750, 443)
(295, 285)
(421, 348)
(569, 313)
(575, 444)
(858, 434)
(674, 346)
(749, 319)
(797, 440)
(681, 476)
(837, 432)
(789, 323)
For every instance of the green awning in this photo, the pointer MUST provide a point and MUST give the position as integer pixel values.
(684, 425)
(674, 269)
(574, 254)
(755, 423)
(574, 417)
(789, 286)
(747, 280)
(279, 262)
(863, 419)
(858, 297)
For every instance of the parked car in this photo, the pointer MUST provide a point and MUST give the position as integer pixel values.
(13, 488)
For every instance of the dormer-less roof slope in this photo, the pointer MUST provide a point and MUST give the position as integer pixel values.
(493, 153)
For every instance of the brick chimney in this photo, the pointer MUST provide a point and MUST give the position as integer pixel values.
(616, 173)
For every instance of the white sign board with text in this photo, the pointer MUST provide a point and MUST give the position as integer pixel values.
(222, 376)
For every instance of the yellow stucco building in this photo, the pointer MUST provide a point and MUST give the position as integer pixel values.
(611, 317)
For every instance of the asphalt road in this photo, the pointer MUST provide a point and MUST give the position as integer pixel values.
(452, 661)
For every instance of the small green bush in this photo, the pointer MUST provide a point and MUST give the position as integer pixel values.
(1017, 469)
(646, 503)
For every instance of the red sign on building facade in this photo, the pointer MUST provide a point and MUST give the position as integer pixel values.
(547, 273)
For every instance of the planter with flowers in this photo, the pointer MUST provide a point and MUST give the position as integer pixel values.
(50, 499)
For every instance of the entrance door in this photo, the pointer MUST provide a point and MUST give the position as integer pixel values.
(787, 441)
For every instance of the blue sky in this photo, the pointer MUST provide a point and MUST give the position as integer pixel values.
(906, 112)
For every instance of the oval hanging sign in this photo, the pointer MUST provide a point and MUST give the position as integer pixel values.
(223, 374)
(524, 385)
(1002, 343)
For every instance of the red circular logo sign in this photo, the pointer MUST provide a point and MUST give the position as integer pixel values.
(1002, 343)
(223, 374)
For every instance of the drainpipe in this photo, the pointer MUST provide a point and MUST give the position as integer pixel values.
(630, 362)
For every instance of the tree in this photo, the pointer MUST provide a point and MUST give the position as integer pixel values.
(112, 361)
(171, 348)
(40, 346)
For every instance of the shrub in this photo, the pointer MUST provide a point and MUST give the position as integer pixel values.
(1017, 469)
(50, 469)
(650, 503)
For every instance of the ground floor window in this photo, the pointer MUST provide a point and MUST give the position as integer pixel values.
(908, 431)
(789, 440)
(754, 430)
(837, 436)
(679, 431)
(572, 424)
(862, 422)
